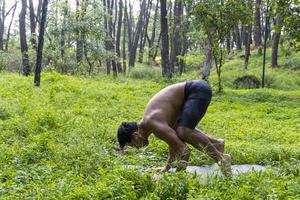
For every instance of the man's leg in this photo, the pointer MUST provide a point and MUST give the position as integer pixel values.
(218, 143)
(200, 141)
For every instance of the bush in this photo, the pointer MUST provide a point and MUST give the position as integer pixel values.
(144, 73)
(247, 82)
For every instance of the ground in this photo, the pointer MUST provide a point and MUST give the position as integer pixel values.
(56, 140)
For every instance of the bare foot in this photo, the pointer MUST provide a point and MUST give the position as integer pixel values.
(225, 165)
(220, 145)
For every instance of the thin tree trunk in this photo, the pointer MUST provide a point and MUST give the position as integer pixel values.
(32, 25)
(257, 24)
(39, 56)
(238, 42)
(208, 55)
(275, 42)
(110, 7)
(106, 43)
(175, 51)
(247, 44)
(9, 27)
(63, 30)
(118, 39)
(267, 21)
(79, 39)
(124, 38)
(166, 70)
(2, 21)
(23, 41)
(157, 47)
(137, 34)
(228, 44)
(145, 31)
(153, 35)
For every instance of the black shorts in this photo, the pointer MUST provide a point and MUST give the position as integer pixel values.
(197, 98)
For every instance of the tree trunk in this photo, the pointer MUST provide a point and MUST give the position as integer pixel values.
(2, 21)
(137, 34)
(275, 42)
(118, 39)
(166, 70)
(23, 41)
(39, 56)
(257, 24)
(79, 39)
(248, 30)
(32, 25)
(124, 37)
(228, 43)
(111, 42)
(9, 27)
(63, 30)
(208, 55)
(145, 32)
(106, 43)
(238, 42)
(175, 51)
(153, 35)
(156, 47)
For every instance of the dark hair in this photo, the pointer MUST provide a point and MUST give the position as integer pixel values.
(125, 130)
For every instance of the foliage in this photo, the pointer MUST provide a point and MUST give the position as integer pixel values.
(88, 22)
(216, 18)
(56, 141)
(289, 13)
(9, 61)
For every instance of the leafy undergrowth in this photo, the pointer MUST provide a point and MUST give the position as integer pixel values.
(56, 141)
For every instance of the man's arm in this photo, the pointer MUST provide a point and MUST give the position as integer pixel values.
(177, 148)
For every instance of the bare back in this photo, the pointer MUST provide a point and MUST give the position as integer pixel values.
(166, 104)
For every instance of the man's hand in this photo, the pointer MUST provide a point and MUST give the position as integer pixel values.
(180, 156)
(119, 150)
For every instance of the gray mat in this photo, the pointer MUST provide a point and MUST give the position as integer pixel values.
(209, 171)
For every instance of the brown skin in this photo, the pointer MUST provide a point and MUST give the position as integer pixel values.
(160, 118)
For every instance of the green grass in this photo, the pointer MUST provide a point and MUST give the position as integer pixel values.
(56, 141)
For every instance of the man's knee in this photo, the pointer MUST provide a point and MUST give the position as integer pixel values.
(183, 133)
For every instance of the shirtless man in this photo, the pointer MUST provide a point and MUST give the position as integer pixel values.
(172, 115)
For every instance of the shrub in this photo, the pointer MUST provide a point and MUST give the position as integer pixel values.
(247, 82)
(144, 73)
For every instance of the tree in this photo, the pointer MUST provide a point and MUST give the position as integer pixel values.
(257, 24)
(265, 41)
(248, 32)
(216, 19)
(275, 41)
(9, 27)
(151, 40)
(137, 34)
(39, 56)
(2, 21)
(237, 34)
(118, 38)
(3, 15)
(33, 22)
(166, 69)
(124, 37)
(144, 31)
(23, 41)
(175, 50)
(286, 13)
(79, 35)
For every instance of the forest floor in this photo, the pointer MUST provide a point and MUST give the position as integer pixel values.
(56, 141)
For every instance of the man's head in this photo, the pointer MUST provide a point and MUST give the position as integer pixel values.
(128, 134)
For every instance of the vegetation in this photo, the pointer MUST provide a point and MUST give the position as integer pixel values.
(57, 139)
(97, 63)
